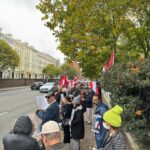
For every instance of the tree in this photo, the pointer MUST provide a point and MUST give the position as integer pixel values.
(92, 28)
(8, 57)
(68, 70)
(138, 32)
(51, 70)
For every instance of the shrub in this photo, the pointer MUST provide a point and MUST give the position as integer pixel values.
(129, 85)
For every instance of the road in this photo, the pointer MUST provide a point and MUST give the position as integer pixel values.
(13, 103)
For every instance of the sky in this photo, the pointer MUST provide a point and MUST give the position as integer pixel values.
(21, 19)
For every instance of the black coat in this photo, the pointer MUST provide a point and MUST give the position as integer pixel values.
(19, 138)
(67, 109)
(58, 97)
(77, 125)
(88, 100)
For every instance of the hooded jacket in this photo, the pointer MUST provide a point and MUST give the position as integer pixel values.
(19, 138)
(77, 124)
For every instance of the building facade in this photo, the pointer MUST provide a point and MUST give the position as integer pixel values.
(32, 61)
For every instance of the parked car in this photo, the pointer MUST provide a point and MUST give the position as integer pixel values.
(36, 85)
(48, 87)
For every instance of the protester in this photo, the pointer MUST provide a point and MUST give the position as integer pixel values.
(77, 124)
(20, 137)
(52, 112)
(114, 139)
(101, 108)
(58, 95)
(63, 95)
(88, 103)
(66, 113)
(76, 90)
(50, 135)
(82, 99)
(64, 91)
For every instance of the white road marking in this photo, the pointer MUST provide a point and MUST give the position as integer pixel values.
(3, 113)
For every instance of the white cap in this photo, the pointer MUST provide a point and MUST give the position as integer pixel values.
(50, 127)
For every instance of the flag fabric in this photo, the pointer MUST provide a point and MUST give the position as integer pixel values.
(97, 90)
(107, 66)
(70, 83)
(111, 62)
(63, 81)
(93, 86)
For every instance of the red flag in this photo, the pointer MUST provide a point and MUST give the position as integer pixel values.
(63, 81)
(107, 66)
(97, 90)
(91, 85)
(111, 62)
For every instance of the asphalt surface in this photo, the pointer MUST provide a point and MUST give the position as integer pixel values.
(13, 103)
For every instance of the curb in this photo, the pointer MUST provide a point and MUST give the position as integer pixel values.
(131, 141)
(13, 88)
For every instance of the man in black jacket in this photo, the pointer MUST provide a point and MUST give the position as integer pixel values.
(19, 138)
(89, 105)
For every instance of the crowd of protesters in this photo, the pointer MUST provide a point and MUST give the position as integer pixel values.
(65, 112)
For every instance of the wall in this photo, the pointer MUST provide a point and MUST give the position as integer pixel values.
(15, 82)
(4, 83)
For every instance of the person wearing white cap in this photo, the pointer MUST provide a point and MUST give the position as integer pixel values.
(50, 134)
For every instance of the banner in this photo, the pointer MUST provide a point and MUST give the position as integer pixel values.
(97, 123)
(41, 102)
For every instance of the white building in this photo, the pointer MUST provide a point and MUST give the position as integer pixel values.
(32, 61)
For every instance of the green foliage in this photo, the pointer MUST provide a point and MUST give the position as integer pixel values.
(68, 70)
(8, 57)
(129, 84)
(88, 30)
(51, 70)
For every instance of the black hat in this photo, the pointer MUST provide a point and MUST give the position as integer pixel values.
(50, 94)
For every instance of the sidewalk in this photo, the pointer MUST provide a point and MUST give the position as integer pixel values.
(89, 140)
(86, 144)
